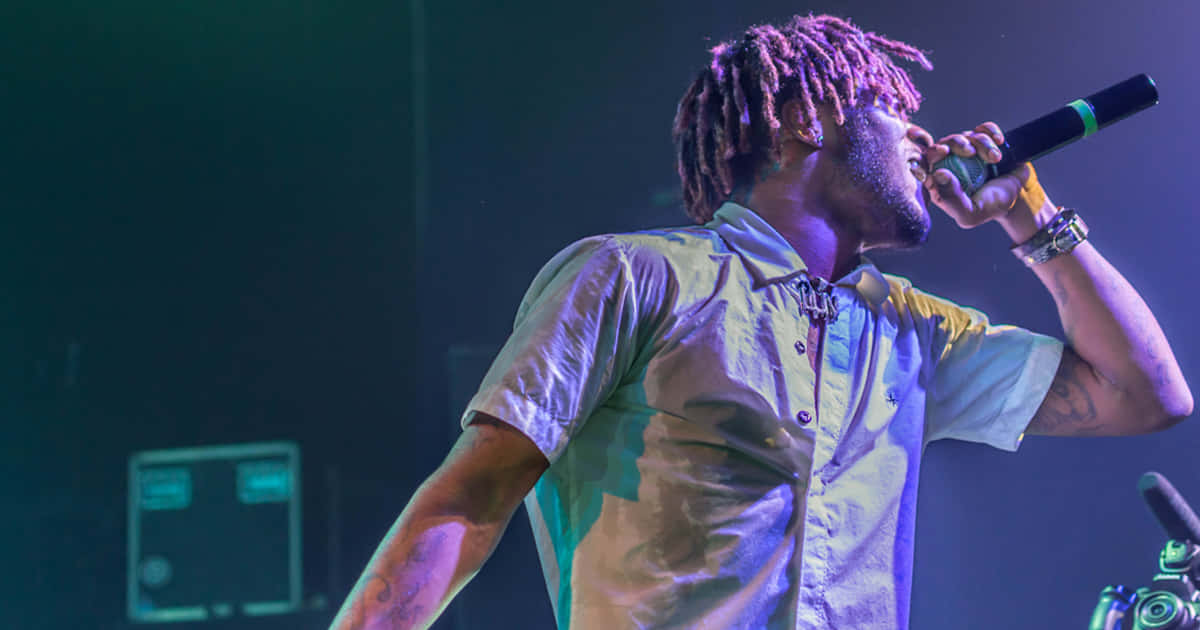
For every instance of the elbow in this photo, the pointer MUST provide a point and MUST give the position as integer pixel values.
(1182, 403)
(1181, 409)
(1174, 404)
(1151, 408)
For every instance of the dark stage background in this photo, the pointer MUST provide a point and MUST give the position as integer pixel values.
(241, 221)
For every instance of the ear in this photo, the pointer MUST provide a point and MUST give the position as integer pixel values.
(794, 128)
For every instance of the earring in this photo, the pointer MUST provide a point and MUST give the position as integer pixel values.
(818, 140)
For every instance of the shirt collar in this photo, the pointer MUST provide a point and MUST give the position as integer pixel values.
(771, 259)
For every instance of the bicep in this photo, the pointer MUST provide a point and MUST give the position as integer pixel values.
(489, 470)
(1081, 402)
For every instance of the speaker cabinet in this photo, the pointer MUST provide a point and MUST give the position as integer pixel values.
(214, 532)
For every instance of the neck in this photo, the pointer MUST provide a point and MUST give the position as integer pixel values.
(792, 205)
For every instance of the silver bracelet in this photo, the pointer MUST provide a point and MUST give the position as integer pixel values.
(1061, 235)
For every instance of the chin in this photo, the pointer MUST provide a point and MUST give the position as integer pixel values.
(904, 220)
(912, 219)
(913, 232)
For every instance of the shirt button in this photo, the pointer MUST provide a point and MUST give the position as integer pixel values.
(800, 347)
(804, 417)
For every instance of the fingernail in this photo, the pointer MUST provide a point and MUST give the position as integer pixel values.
(941, 177)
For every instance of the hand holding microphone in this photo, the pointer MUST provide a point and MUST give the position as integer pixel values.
(1078, 119)
(980, 145)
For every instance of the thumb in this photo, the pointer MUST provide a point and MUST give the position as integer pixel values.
(947, 191)
(998, 194)
(1024, 173)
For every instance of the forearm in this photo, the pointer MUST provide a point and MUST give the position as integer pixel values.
(1108, 324)
(425, 558)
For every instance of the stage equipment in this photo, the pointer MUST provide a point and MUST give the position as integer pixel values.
(1172, 601)
(1078, 119)
(214, 532)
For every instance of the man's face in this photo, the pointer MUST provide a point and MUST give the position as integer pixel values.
(878, 166)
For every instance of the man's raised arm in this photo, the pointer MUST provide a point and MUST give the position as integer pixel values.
(446, 532)
(1118, 375)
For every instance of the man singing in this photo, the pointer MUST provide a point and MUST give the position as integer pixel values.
(721, 426)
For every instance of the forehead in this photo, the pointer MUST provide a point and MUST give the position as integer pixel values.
(883, 120)
(889, 106)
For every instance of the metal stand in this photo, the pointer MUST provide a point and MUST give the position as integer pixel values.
(1171, 602)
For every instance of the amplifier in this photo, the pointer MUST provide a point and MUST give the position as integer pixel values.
(214, 532)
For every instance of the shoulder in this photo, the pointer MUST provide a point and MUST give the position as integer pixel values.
(669, 243)
(656, 266)
(646, 254)
(922, 305)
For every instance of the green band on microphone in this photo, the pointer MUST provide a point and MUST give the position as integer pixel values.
(1084, 109)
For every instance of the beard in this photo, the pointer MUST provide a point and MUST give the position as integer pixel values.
(872, 169)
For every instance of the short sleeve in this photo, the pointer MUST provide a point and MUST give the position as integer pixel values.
(988, 380)
(572, 342)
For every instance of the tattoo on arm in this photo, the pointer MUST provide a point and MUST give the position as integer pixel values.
(1068, 408)
(404, 608)
(1058, 289)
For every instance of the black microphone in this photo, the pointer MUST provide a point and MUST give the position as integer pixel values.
(1078, 119)
(1172, 512)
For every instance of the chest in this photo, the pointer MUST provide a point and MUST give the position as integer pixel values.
(757, 371)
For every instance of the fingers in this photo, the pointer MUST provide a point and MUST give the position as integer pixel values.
(993, 199)
(973, 143)
(936, 153)
(959, 145)
(984, 141)
(945, 189)
(993, 130)
(984, 146)
(919, 136)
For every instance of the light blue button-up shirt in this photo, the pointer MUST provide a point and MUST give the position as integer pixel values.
(702, 473)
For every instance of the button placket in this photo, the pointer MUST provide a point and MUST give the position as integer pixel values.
(804, 416)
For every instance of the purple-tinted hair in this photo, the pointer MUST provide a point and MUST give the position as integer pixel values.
(726, 124)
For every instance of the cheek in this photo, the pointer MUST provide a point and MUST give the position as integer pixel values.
(918, 188)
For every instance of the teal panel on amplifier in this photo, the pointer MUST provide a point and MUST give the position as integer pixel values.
(264, 482)
(165, 488)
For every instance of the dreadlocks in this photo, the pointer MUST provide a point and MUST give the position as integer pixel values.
(726, 124)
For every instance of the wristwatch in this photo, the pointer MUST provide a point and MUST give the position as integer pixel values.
(1062, 234)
